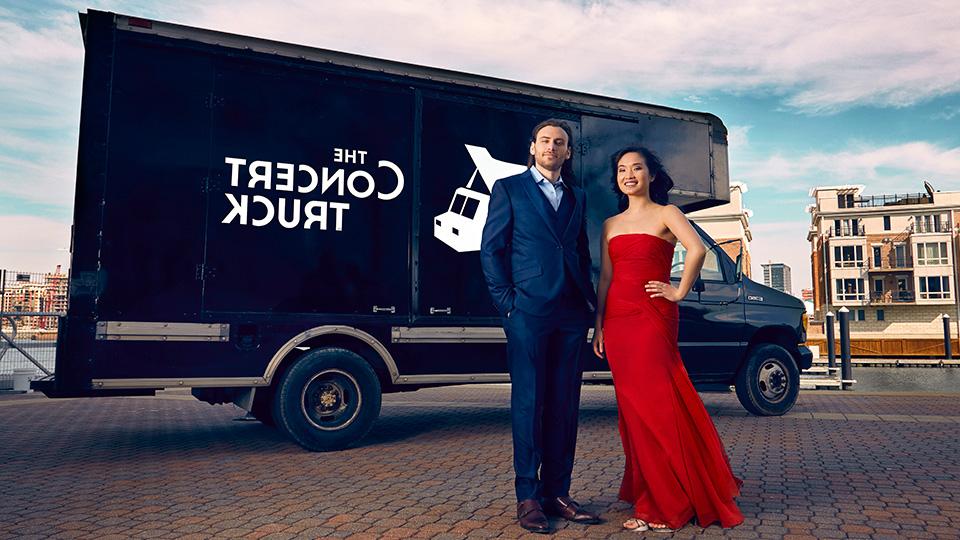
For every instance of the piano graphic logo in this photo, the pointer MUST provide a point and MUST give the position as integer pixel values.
(461, 226)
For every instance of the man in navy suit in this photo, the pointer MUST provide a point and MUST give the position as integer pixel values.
(536, 262)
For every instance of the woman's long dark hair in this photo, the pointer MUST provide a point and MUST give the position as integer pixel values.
(660, 183)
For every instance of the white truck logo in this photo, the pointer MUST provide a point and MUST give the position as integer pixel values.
(461, 226)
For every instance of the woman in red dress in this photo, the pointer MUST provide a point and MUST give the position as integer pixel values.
(676, 467)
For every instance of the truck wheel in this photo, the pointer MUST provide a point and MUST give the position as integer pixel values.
(327, 400)
(769, 381)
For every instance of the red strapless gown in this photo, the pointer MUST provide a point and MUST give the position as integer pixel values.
(676, 467)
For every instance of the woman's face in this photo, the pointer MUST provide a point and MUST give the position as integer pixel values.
(632, 174)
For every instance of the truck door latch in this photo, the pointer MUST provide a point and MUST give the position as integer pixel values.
(445, 311)
(378, 309)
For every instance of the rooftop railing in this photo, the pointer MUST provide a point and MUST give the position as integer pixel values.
(896, 199)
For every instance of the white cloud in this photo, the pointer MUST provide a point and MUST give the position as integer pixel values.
(947, 114)
(737, 138)
(33, 244)
(820, 56)
(883, 169)
(40, 77)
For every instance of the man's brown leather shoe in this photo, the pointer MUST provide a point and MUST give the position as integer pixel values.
(569, 510)
(531, 516)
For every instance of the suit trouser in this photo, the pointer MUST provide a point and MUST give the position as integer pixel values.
(544, 355)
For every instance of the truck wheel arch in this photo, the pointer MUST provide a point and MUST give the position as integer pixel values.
(781, 335)
(348, 337)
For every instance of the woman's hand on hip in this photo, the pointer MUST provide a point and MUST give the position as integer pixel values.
(659, 289)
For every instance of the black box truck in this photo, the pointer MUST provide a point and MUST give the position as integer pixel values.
(297, 230)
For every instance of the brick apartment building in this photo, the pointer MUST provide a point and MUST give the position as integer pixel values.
(890, 260)
(25, 292)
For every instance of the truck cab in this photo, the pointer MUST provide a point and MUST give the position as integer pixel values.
(735, 331)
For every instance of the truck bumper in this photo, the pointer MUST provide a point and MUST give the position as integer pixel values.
(804, 358)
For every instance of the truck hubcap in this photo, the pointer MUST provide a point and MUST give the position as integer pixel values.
(331, 400)
(773, 380)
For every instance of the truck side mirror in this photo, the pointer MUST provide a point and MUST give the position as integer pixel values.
(739, 273)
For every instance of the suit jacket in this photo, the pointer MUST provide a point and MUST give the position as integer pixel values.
(524, 252)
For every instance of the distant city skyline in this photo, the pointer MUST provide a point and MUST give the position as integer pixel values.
(812, 94)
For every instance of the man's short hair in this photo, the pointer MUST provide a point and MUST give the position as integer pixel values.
(567, 170)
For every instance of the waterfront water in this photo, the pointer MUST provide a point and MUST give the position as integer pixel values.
(907, 379)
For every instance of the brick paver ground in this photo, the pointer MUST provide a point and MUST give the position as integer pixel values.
(438, 465)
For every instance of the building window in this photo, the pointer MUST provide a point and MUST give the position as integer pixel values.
(849, 289)
(886, 223)
(845, 200)
(880, 315)
(861, 315)
(877, 260)
(932, 253)
(900, 252)
(848, 256)
(931, 223)
(847, 227)
(934, 287)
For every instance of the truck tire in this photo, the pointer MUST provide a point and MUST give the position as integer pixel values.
(769, 381)
(327, 400)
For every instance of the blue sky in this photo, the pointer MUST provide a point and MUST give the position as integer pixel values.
(813, 93)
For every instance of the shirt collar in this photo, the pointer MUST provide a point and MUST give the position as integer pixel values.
(540, 178)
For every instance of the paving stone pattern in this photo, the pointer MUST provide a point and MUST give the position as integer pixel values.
(438, 465)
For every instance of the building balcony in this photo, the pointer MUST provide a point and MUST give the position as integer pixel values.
(849, 264)
(893, 297)
(850, 299)
(889, 265)
(842, 232)
(896, 199)
(934, 227)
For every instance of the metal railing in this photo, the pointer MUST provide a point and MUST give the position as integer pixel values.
(26, 347)
(845, 231)
(31, 304)
(887, 263)
(892, 297)
(895, 199)
(933, 227)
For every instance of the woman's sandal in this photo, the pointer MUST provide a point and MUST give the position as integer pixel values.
(663, 528)
(634, 524)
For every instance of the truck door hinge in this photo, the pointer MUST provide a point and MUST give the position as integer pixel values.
(205, 272)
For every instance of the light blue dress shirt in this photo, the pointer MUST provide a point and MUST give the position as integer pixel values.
(553, 190)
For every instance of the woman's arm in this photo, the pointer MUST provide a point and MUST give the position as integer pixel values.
(677, 223)
(603, 284)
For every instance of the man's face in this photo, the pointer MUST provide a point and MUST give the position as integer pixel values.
(551, 148)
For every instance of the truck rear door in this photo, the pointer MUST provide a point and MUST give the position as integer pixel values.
(309, 200)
